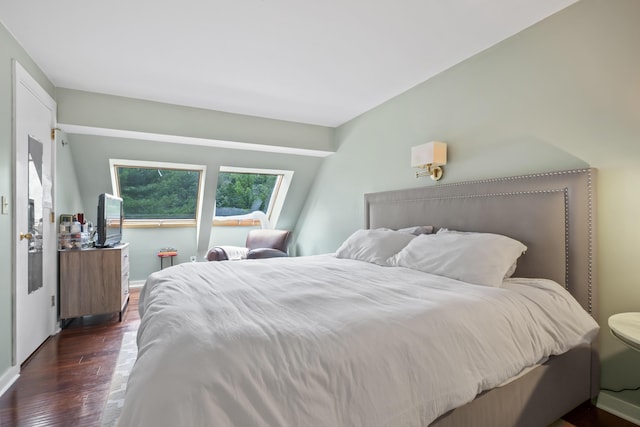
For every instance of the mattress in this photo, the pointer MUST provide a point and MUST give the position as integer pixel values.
(321, 341)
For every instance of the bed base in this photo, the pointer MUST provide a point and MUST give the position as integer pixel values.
(554, 215)
(537, 399)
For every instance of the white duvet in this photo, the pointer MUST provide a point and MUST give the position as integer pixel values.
(320, 341)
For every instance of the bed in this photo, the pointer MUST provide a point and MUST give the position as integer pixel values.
(326, 340)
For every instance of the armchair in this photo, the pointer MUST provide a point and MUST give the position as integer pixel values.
(261, 243)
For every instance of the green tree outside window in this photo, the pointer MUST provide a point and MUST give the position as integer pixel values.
(158, 193)
(243, 193)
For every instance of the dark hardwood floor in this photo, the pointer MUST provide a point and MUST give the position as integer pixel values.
(588, 415)
(65, 383)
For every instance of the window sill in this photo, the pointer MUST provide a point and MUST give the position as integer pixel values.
(235, 223)
(158, 223)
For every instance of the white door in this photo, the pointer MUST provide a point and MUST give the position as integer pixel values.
(35, 248)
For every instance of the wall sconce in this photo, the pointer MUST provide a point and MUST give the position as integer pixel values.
(430, 157)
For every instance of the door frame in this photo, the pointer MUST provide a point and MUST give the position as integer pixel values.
(50, 265)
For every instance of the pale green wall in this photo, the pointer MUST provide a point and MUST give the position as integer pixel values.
(91, 156)
(68, 199)
(145, 243)
(563, 94)
(9, 50)
(114, 112)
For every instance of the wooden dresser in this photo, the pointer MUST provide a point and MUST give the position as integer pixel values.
(94, 281)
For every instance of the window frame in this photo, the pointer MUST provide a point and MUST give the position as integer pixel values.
(145, 164)
(278, 196)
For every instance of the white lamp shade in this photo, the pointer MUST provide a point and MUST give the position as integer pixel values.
(433, 153)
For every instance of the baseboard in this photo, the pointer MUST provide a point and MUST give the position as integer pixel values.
(618, 407)
(136, 283)
(8, 378)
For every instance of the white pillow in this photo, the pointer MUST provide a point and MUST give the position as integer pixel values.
(478, 258)
(417, 230)
(512, 268)
(375, 246)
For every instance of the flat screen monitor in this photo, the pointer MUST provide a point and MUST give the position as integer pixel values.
(110, 217)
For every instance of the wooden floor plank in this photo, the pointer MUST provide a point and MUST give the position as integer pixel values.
(66, 382)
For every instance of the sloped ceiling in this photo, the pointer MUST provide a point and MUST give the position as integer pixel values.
(317, 62)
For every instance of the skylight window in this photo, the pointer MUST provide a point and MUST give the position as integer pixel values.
(158, 193)
(247, 197)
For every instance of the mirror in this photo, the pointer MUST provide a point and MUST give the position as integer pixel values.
(35, 219)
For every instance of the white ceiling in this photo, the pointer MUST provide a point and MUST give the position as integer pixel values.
(312, 61)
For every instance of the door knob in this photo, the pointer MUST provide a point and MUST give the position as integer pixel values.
(27, 236)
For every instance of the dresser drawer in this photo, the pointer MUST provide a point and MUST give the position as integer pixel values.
(124, 253)
(125, 275)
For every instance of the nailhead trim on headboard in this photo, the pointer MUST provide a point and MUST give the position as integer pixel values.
(589, 213)
(567, 202)
(517, 177)
(590, 236)
(470, 196)
(566, 238)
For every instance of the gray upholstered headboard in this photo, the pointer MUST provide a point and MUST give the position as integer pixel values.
(552, 213)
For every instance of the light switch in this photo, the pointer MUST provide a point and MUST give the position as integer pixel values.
(4, 208)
